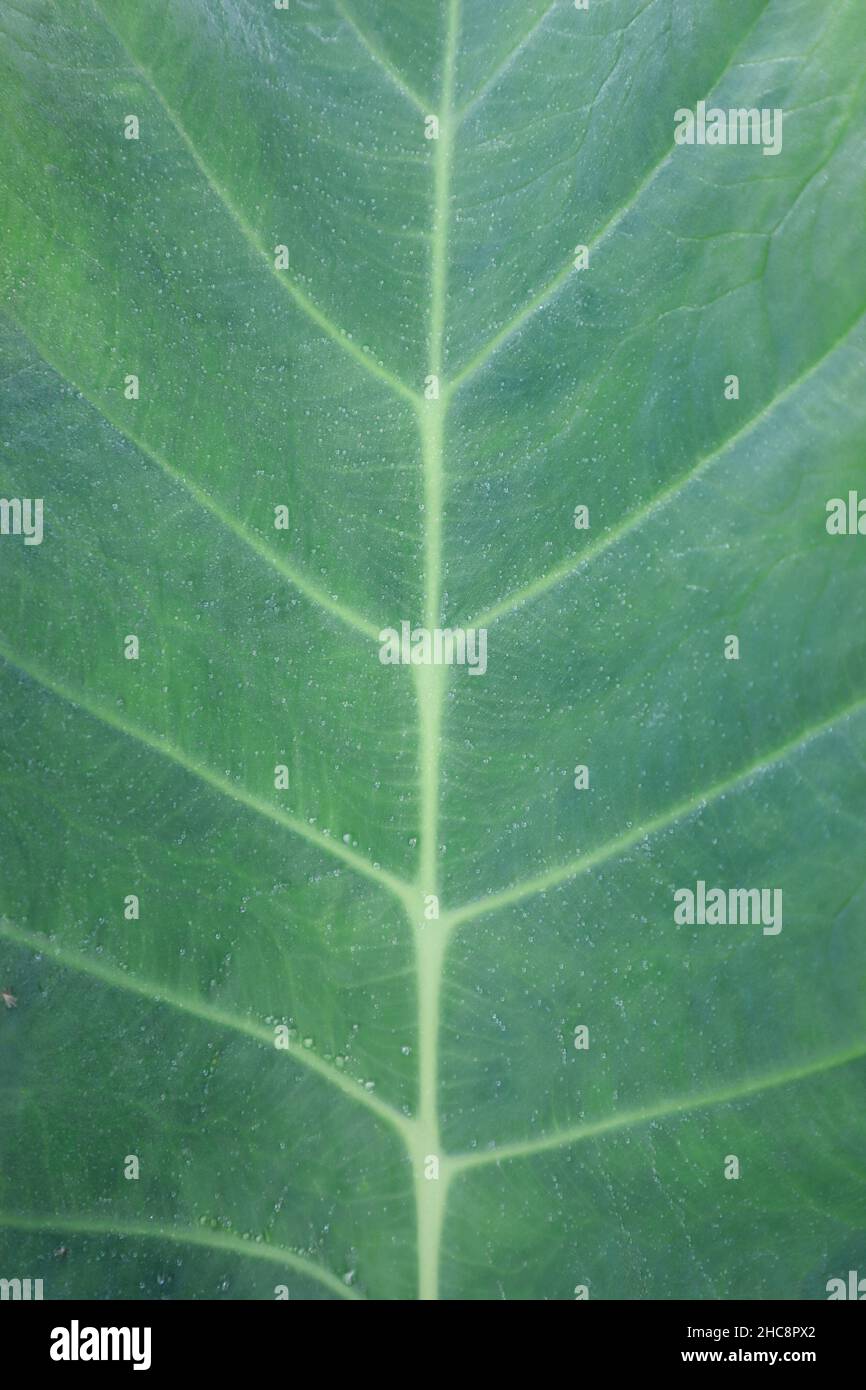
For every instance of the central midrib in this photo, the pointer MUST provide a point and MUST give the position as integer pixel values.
(424, 1141)
(430, 1191)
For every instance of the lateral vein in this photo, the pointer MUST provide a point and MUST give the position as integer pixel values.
(635, 519)
(508, 62)
(180, 1235)
(381, 60)
(299, 296)
(115, 978)
(664, 1109)
(316, 595)
(398, 886)
(622, 843)
(552, 288)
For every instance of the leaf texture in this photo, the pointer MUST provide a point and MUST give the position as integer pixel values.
(419, 1044)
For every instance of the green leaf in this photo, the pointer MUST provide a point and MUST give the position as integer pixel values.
(308, 907)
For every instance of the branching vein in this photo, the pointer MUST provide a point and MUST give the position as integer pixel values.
(155, 993)
(380, 59)
(306, 586)
(180, 1235)
(299, 296)
(507, 63)
(621, 844)
(665, 1109)
(553, 287)
(335, 848)
(537, 587)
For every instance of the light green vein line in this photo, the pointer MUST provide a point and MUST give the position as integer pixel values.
(551, 289)
(301, 299)
(622, 843)
(398, 886)
(155, 993)
(179, 1235)
(307, 587)
(506, 64)
(380, 59)
(629, 1119)
(429, 682)
(510, 59)
(634, 519)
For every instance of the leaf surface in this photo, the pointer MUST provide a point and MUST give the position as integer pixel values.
(414, 1038)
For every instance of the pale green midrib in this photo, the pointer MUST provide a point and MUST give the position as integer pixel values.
(620, 844)
(552, 288)
(430, 1195)
(299, 296)
(635, 519)
(629, 1119)
(70, 959)
(316, 595)
(382, 61)
(180, 1235)
(335, 848)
